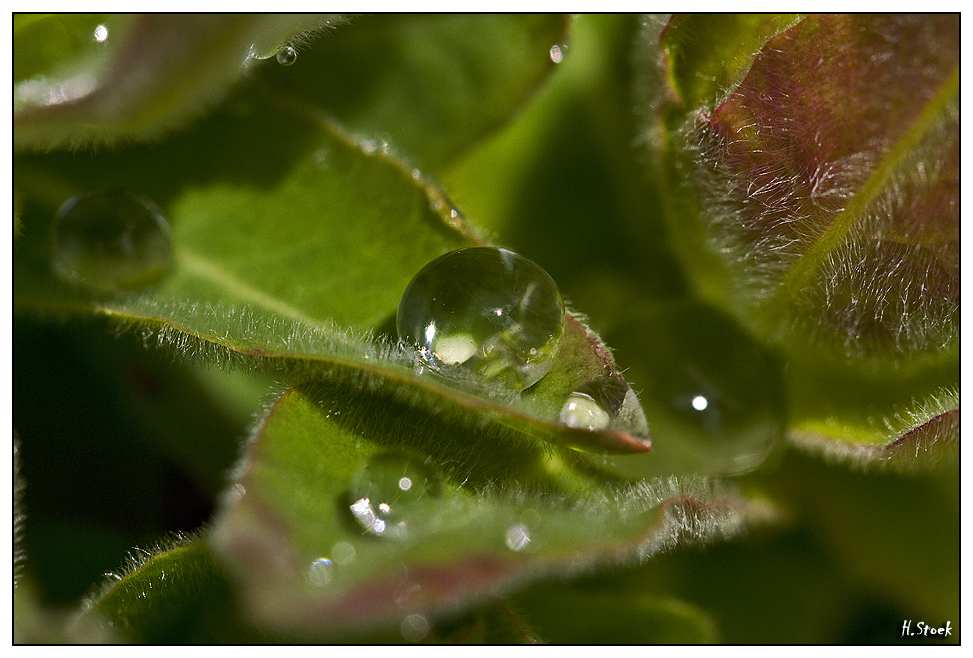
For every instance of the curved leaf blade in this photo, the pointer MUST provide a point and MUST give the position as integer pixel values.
(288, 517)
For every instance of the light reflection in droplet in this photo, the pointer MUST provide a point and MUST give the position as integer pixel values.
(320, 571)
(101, 33)
(405, 483)
(582, 412)
(556, 55)
(414, 628)
(517, 537)
(700, 403)
(287, 55)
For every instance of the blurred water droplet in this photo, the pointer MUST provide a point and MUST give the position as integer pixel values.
(387, 490)
(517, 537)
(488, 311)
(414, 628)
(416, 174)
(101, 34)
(343, 553)
(713, 397)
(558, 52)
(110, 240)
(286, 56)
(319, 572)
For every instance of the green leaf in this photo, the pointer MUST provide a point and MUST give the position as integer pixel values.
(313, 551)
(828, 228)
(179, 595)
(426, 86)
(100, 81)
(925, 436)
(225, 299)
(573, 615)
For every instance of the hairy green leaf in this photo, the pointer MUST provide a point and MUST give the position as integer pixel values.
(426, 86)
(305, 530)
(829, 177)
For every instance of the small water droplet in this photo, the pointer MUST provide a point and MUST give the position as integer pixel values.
(517, 537)
(110, 240)
(414, 628)
(343, 553)
(602, 403)
(416, 174)
(287, 55)
(319, 572)
(488, 311)
(386, 491)
(101, 34)
(700, 402)
(558, 51)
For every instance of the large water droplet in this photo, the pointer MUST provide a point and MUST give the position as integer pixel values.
(488, 311)
(110, 240)
(387, 490)
(287, 55)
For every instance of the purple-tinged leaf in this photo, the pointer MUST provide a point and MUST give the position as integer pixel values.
(831, 182)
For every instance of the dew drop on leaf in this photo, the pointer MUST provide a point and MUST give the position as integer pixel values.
(387, 490)
(488, 311)
(110, 240)
(602, 403)
(286, 56)
(557, 53)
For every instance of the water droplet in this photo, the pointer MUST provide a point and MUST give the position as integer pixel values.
(582, 412)
(414, 628)
(101, 34)
(488, 311)
(110, 240)
(343, 553)
(517, 537)
(558, 52)
(319, 572)
(602, 403)
(386, 491)
(713, 397)
(287, 55)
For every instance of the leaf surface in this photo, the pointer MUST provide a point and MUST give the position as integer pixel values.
(831, 182)
(268, 270)
(133, 77)
(300, 533)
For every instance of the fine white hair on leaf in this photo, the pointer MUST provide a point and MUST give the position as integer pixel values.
(921, 437)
